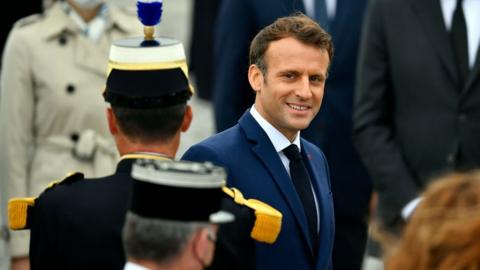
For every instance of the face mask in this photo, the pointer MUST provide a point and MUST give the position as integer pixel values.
(87, 4)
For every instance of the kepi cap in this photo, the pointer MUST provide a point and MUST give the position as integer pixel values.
(147, 72)
(178, 190)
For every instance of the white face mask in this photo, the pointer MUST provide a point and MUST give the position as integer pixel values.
(87, 4)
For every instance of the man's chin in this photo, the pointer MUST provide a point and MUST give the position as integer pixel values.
(300, 126)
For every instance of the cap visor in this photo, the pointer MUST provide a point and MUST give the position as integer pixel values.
(221, 217)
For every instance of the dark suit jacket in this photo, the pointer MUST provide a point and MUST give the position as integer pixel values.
(201, 46)
(411, 120)
(255, 168)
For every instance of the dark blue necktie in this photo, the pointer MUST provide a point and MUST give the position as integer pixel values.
(321, 14)
(301, 181)
(459, 38)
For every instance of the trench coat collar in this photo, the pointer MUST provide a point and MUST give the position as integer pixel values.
(57, 22)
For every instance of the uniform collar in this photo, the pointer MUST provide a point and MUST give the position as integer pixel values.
(126, 161)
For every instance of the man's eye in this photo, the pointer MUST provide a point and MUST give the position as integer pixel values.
(289, 75)
(316, 78)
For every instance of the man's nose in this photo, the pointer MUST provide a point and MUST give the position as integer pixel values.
(304, 88)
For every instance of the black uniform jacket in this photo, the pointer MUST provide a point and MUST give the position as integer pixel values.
(77, 224)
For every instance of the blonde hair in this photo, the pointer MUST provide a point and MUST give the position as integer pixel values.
(444, 230)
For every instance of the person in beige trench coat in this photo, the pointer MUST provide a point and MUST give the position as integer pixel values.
(52, 113)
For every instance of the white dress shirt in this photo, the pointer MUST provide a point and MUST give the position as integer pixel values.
(310, 8)
(471, 10)
(94, 29)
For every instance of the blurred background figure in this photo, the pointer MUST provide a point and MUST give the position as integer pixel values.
(157, 238)
(16, 11)
(53, 73)
(417, 104)
(201, 48)
(237, 23)
(443, 231)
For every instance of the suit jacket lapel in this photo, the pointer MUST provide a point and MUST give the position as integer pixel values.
(265, 151)
(429, 13)
(474, 73)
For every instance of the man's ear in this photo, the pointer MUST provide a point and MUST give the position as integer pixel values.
(187, 118)
(255, 78)
(203, 247)
(112, 122)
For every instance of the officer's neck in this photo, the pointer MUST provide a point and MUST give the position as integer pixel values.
(168, 148)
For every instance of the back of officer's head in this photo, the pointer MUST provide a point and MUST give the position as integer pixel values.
(150, 124)
(174, 212)
(148, 87)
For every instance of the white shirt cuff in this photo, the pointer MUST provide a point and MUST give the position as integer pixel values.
(410, 207)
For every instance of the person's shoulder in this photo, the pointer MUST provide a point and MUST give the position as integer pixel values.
(56, 191)
(26, 30)
(217, 148)
(28, 21)
(226, 138)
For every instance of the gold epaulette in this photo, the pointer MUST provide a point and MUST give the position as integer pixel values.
(268, 220)
(18, 208)
(18, 212)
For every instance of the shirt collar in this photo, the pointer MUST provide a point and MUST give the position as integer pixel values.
(93, 29)
(278, 140)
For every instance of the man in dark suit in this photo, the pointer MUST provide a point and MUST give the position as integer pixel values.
(417, 105)
(331, 130)
(289, 61)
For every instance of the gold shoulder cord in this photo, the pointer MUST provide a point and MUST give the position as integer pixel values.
(268, 220)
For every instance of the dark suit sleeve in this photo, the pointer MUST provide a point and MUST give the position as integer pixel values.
(374, 130)
(232, 93)
(44, 253)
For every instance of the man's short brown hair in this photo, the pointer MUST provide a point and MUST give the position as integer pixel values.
(297, 26)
